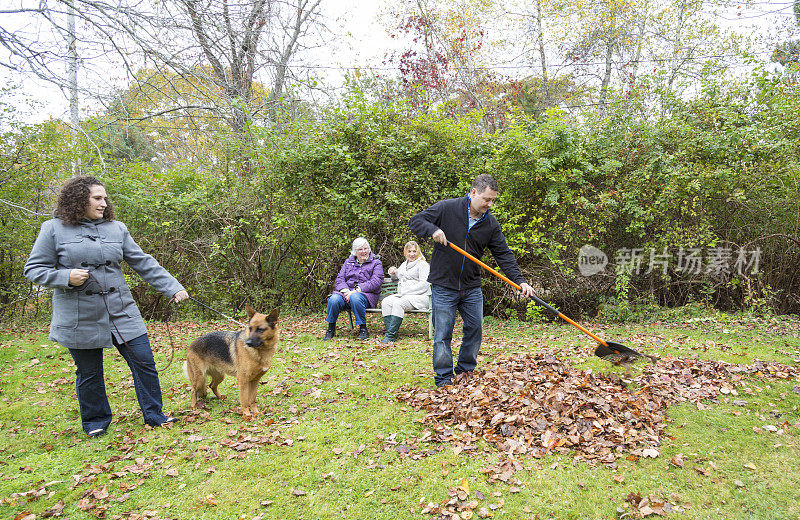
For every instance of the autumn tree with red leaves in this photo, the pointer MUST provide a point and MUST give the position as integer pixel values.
(444, 65)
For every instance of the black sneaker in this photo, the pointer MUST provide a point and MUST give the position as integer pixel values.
(97, 432)
(363, 333)
(330, 333)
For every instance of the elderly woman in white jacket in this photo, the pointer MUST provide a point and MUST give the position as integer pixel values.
(413, 290)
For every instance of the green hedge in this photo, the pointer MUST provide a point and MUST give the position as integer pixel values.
(270, 217)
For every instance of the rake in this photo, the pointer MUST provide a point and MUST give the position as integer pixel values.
(616, 353)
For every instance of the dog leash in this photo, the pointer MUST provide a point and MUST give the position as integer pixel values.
(171, 343)
(169, 331)
(216, 311)
(136, 359)
(103, 293)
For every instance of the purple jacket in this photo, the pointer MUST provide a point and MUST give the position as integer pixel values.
(368, 276)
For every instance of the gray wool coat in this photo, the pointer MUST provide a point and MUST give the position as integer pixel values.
(80, 318)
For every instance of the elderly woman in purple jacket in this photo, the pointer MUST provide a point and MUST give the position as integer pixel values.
(357, 286)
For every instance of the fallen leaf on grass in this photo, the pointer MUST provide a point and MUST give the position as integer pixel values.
(650, 452)
(100, 494)
(677, 460)
(55, 510)
(35, 492)
(298, 492)
(209, 500)
(648, 505)
(498, 505)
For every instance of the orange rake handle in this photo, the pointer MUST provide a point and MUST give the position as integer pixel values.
(534, 297)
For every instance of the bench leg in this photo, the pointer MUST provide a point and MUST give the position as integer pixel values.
(350, 313)
(430, 325)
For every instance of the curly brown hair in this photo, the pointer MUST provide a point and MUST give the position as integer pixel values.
(74, 198)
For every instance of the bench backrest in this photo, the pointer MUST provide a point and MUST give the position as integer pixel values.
(388, 288)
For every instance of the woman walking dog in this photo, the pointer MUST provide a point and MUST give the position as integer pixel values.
(79, 254)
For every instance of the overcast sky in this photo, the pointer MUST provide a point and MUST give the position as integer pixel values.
(357, 38)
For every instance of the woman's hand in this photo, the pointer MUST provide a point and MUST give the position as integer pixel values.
(78, 276)
(392, 271)
(180, 296)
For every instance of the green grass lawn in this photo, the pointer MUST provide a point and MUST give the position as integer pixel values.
(334, 441)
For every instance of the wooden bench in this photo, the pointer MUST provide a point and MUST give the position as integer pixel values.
(389, 287)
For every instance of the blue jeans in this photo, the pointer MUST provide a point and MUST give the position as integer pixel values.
(91, 388)
(358, 302)
(468, 303)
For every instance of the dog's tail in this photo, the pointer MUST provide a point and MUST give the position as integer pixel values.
(185, 370)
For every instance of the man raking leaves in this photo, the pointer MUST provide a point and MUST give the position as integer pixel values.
(456, 283)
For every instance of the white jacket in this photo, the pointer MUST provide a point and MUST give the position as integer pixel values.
(413, 278)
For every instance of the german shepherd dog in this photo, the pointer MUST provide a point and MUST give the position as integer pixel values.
(246, 354)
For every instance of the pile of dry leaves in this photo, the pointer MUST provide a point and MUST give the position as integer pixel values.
(537, 404)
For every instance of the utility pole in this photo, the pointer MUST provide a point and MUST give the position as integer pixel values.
(72, 73)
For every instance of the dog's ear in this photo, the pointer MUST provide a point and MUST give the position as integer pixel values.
(273, 316)
(250, 310)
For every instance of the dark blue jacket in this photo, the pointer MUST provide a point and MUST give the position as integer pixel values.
(450, 268)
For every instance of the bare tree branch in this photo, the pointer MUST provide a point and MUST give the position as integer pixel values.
(186, 37)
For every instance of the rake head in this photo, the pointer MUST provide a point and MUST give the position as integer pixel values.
(619, 354)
